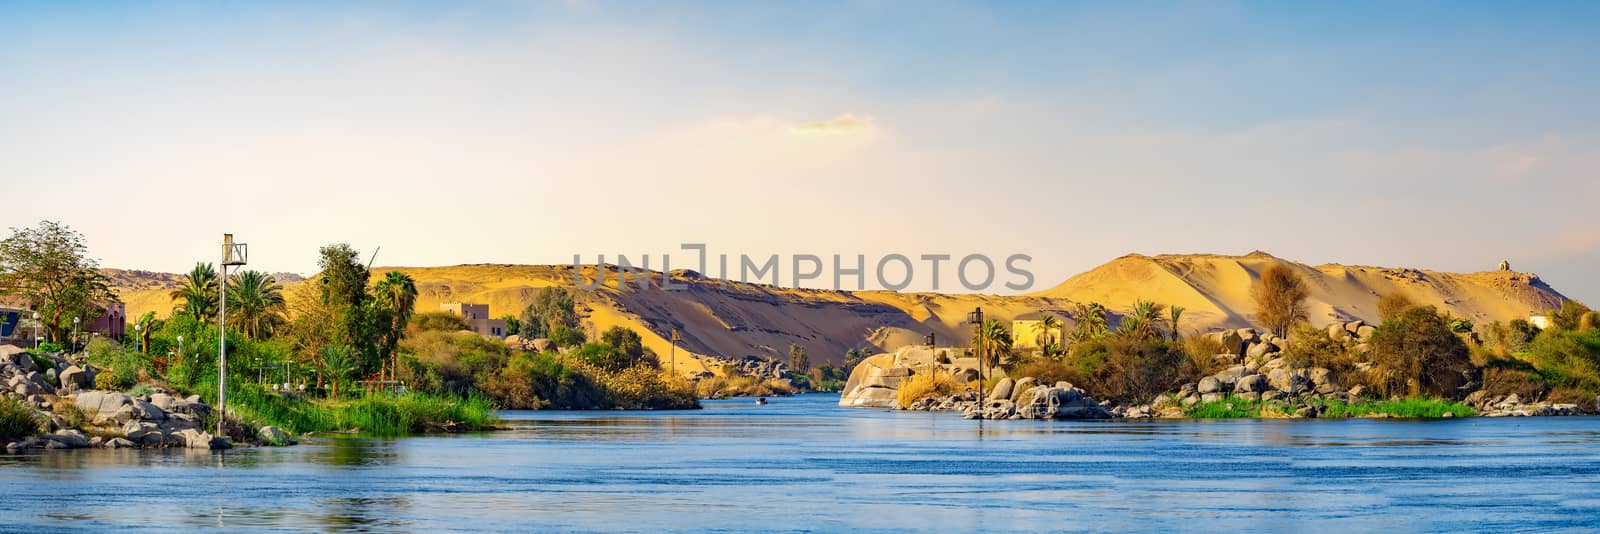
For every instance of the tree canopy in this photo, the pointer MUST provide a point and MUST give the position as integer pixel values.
(48, 267)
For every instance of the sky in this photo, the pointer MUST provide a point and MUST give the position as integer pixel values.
(1436, 135)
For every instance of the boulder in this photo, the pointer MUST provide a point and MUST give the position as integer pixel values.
(1288, 381)
(1251, 384)
(1249, 395)
(1209, 384)
(1262, 349)
(542, 345)
(103, 406)
(195, 439)
(74, 378)
(272, 435)
(1365, 332)
(70, 439)
(1337, 332)
(148, 411)
(1358, 390)
(1022, 386)
(165, 402)
(1231, 342)
(1002, 389)
(1354, 326)
(1232, 374)
(120, 443)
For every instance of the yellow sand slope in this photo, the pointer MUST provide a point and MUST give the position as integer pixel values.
(738, 319)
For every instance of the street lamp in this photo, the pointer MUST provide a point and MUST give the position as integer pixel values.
(75, 321)
(232, 254)
(675, 340)
(976, 318)
(137, 341)
(36, 331)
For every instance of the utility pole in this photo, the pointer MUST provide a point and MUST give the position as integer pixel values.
(232, 254)
(976, 318)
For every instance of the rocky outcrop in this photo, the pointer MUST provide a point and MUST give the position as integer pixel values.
(875, 381)
(1038, 402)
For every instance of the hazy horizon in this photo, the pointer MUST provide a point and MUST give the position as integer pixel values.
(1441, 136)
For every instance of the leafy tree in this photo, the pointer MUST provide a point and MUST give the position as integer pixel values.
(798, 362)
(564, 336)
(1570, 315)
(513, 324)
(1416, 351)
(342, 290)
(339, 364)
(255, 304)
(395, 298)
(439, 321)
(1394, 304)
(625, 340)
(552, 307)
(49, 268)
(197, 297)
(1280, 298)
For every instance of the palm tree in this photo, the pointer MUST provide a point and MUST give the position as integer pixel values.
(338, 364)
(1174, 312)
(257, 303)
(1091, 322)
(1143, 322)
(197, 297)
(993, 342)
(396, 298)
(1047, 339)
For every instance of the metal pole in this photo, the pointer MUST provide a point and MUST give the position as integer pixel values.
(222, 344)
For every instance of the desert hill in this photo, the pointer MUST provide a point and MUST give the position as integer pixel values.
(740, 319)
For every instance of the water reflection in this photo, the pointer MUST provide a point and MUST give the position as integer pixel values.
(803, 463)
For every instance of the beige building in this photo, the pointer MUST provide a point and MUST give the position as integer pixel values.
(477, 318)
(1027, 329)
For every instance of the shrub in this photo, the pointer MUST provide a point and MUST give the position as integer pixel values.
(43, 362)
(564, 336)
(1313, 347)
(1122, 368)
(1568, 359)
(141, 390)
(108, 381)
(437, 321)
(1525, 383)
(17, 419)
(1570, 315)
(1203, 351)
(1394, 304)
(925, 385)
(1046, 371)
(50, 347)
(113, 358)
(1417, 353)
(719, 387)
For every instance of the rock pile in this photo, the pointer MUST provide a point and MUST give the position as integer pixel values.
(1513, 406)
(1020, 399)
(875, 381)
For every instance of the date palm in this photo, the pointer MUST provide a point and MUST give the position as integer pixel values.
(1144, 321)
(993, 342)
(1047, 338)
(255, 303)
(1092, 322)
(197, 296)
(396, 298)
(1174, 313)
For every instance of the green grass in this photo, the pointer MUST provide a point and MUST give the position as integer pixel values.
(17, 419)
(1238, 408)
(378, 415)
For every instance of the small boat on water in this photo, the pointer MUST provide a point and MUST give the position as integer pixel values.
(761, 401)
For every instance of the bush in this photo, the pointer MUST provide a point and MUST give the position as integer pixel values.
(1046, 371)
(1203, 351)
(141, 390)
(720, 387)
(437, 321)
(1123, 368)
(50, 347)
(1312, 347)
(1570, 315)
(17, 419)
(925, 385)
(1394, 304)
(1525, 383)
(1416, 353)
(1568, 359)
(109, 381)
(110, 357)
(538, 381)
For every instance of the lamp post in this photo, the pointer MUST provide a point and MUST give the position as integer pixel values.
(180, 350)
(232, 254)
(138, 341)
(36, 331)
(75, 321)
(976, 318)
(674, 351)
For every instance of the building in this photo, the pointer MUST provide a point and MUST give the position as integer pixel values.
(477, 318)
(1541, 321)
(16, 321)
(1027, 331)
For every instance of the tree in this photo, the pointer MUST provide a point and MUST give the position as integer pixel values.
(1174, 313)
(513, 324)
(1394, 304)
(552, 307)
(1280, 298)
(255, 303)
(993, 342)
(49, 268)
(1092, 322)
(1143, 323)
(342, 290)
(339, 364)
(1569, 316)
(1047, 341)
(625, 340)
(197, 296)
(395, 298)
(797, 359)
(1417, 350)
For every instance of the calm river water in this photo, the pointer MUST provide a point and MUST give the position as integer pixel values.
(803, 464)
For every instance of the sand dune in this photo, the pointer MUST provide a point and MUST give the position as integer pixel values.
(743, 319)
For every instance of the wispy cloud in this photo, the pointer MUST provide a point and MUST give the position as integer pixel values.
(848, 124)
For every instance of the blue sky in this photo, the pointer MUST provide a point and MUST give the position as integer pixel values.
(1445, 135)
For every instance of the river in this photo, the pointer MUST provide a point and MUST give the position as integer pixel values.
(804, 464)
